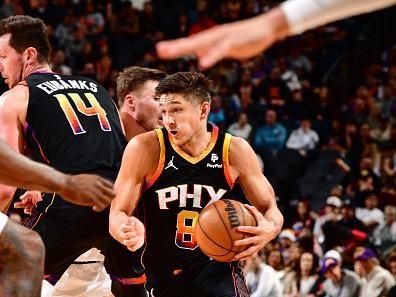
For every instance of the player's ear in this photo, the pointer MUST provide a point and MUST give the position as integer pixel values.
(130, 101)
(30, 55)
(205, 109)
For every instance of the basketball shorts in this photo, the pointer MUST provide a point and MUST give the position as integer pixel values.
(214, 280)
(68, 231)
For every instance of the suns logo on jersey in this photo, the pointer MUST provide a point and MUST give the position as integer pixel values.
(179, 193)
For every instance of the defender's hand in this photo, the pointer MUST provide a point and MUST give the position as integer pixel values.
(88, 190)
(28, 200)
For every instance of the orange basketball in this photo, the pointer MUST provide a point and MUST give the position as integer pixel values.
(215, 231)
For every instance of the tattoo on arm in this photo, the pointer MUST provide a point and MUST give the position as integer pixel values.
(21, 261)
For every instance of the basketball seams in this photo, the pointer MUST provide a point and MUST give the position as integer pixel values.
(243, 224)
(225, 225)
(213, 238)
(214, 242)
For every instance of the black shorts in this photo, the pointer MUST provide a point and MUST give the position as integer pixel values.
(68, 231)
(214, 280)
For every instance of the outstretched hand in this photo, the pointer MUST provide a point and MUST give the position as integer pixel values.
(238, 40)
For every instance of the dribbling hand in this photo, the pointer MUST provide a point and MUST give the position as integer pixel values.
(260, 235)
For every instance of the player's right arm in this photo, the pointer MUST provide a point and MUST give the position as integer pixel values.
(139, 162)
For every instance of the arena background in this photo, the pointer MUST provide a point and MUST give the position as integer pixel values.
(338, 82)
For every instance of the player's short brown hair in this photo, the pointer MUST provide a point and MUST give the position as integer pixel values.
(193, 85)
(131, 79)
(27, 32)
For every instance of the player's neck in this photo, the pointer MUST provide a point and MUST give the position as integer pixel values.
(39, 67)
(198, 142)
(132, 128)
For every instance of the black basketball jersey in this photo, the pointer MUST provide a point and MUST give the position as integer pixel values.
(72, 124)
(179, 189)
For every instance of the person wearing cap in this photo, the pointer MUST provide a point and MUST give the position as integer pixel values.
(286, 239)
(339, 282)
(377, 281)
(331, 212)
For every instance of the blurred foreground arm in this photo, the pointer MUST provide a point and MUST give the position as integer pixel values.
(247, 38)
(83, 189)
(21, 260)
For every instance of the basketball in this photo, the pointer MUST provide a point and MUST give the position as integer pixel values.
(215, 231)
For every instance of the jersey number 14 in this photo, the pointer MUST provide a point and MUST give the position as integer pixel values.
(94, 110)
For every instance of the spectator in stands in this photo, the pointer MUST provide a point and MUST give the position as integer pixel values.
(58, 63)
(270, 137)
(371, 216)
(384, 236)
(339, 282)
(204, 21)
(275, 259)
(261, 279)
(303, 139)
(345, 231)
(242, 128)
(286, 238)
(217, 114)
(288, 75)
(304, 217)
(391, 263)
(64, 29)
(382, 133)
(302, 281)
(377, 280)
(331, 211)
(274, 90)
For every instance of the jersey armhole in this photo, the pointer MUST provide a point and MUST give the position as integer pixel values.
(161, 161)
(226, 163)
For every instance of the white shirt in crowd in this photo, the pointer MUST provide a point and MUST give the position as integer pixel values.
(368, 215)
(265, 283)
(243, 132)
(301, 139)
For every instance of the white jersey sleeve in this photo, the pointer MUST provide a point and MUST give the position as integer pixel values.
(3, 221)
(303, 15)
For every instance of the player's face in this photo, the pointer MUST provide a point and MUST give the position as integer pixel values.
(147, 112)
(182, 118)
(11, 62)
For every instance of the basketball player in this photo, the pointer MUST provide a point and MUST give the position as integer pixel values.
(139, 106)
(244, 39)
(73, 124)
(139, 112)
(175, 172)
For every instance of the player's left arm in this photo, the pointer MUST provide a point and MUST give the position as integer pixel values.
(260, 193)
(12, 104)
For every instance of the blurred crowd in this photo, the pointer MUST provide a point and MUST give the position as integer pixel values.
(330, 158)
